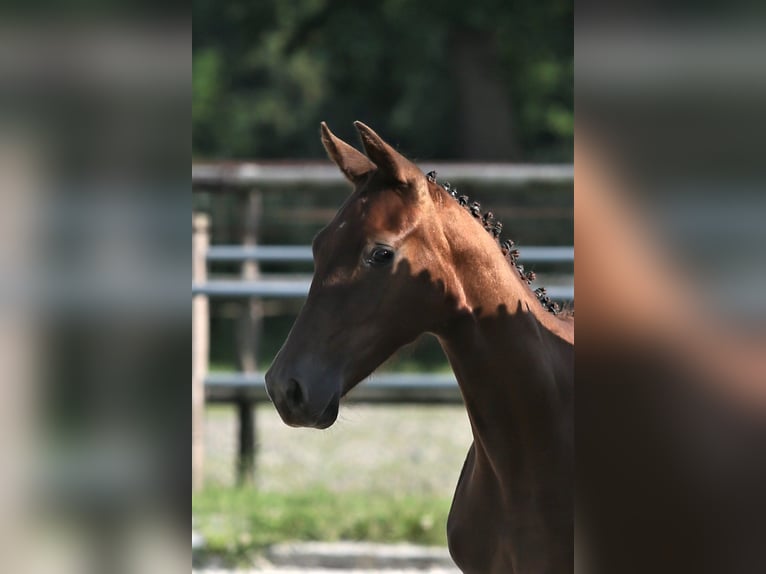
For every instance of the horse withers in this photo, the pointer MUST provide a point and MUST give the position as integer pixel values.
(405, 256)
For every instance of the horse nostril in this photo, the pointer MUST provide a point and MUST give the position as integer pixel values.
(294, 393)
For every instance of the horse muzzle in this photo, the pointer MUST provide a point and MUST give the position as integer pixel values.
(301, 404)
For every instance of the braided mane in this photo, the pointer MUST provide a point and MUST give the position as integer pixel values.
(507, 246)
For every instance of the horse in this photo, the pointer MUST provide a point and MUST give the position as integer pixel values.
(403, 256)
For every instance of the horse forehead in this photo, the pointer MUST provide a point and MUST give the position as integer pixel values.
(363, 218)
(378, 212)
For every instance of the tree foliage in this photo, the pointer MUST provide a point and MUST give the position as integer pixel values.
(435, 77)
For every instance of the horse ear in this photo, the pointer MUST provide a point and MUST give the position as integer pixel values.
(385, 157)
(353, 163)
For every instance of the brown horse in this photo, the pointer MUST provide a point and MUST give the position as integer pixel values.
(405, 256)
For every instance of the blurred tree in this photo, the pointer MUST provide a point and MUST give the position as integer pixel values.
(489, 79)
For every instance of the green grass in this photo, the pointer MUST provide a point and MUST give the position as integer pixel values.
(238, 523)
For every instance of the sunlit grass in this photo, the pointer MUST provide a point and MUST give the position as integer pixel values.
(237, 523)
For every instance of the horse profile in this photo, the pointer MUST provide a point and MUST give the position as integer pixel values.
(405, 256)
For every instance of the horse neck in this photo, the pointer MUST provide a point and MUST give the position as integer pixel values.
(512, 359)
(515, 378)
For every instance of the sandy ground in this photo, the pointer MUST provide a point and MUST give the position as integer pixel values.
(409, 449)
(333, 571)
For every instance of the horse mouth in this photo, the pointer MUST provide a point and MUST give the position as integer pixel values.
(330, 413)
(322, 421)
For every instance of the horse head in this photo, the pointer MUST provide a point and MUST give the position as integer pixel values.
(379, 282)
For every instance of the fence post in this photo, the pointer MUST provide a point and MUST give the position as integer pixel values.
(246, 454)
(200, 346)
(249, 330)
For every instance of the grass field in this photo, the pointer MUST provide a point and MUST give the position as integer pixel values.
(381, 473)
(238, 523)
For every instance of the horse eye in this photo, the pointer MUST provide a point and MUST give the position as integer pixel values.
(380, 256)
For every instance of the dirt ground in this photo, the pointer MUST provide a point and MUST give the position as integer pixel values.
(406, 449)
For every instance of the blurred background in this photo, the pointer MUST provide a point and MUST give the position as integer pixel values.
(94, 158)
(483, 94)
(670, 211)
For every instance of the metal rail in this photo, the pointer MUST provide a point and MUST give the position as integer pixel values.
(302, 253)
(273, 175)
(298, 288)
(383, 388)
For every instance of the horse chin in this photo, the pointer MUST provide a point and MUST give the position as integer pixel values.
(329, 415)
(325, 419)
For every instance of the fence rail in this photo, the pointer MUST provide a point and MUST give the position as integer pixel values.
(302, 253)
(274, 175)
(383, 388)
(298, 288)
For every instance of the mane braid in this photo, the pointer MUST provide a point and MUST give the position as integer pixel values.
(507, 246)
